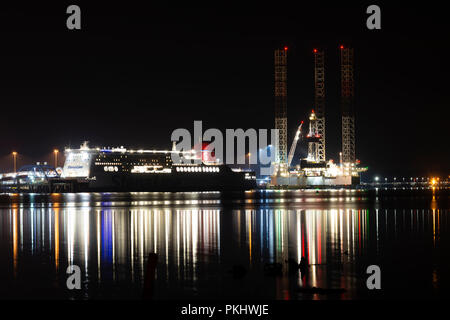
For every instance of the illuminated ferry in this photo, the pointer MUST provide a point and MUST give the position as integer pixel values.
(120, 169)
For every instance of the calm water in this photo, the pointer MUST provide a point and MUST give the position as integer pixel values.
(200, 238)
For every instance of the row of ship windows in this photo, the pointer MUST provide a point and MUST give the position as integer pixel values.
(140, 160)
(112, 163)
(198, 169)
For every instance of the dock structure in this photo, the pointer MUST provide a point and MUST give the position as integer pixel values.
(37, 179)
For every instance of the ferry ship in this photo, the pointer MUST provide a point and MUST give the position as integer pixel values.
(121, 169)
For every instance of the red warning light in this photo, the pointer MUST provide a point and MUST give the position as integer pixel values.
(301, 122)
(315, 50)
(312, 110)
(342, 47)
(285, 48)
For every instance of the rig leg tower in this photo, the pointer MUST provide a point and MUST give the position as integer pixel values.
(281, 107)
(347, 103)
(319, 100)
(313, 139)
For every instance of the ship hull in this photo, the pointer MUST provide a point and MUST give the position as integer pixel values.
(230, 181)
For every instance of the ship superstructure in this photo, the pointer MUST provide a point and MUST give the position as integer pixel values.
(121, 169)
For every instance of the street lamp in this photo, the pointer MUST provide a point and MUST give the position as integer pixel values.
(55, 152)
(249, 154)
(14, 154)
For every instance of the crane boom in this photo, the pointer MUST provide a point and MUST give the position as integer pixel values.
(294, 143)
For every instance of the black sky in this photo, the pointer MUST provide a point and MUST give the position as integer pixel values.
(135, 72)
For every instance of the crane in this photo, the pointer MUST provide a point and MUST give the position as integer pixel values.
(294, 143)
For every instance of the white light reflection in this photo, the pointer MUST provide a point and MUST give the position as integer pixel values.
(188, 239)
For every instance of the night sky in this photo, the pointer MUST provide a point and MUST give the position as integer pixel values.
(134, 73)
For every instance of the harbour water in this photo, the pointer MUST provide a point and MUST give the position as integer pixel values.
(225, 246)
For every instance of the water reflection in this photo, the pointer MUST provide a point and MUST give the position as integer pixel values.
(199, 241)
